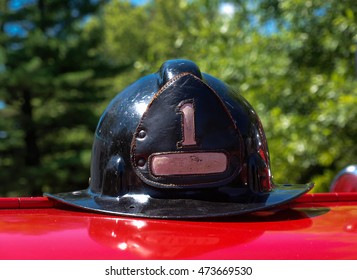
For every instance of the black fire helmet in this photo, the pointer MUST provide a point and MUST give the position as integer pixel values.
(180, 144)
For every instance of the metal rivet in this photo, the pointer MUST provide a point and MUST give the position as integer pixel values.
(141, 162)
(142, 134)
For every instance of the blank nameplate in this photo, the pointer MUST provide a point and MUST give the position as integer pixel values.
(199, 163)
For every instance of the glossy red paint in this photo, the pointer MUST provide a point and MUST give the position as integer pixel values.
(317, 226)
(25, 202)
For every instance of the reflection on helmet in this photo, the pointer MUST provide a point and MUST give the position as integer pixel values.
(180, 143)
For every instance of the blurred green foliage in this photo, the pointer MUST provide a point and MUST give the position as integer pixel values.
(295, 62)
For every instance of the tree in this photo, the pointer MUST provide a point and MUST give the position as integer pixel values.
(160, 30)
(52, 79)
(312, 109)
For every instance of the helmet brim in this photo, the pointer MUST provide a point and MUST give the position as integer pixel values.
(149, 207)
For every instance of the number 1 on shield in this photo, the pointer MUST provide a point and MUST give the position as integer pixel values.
(188, 125)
